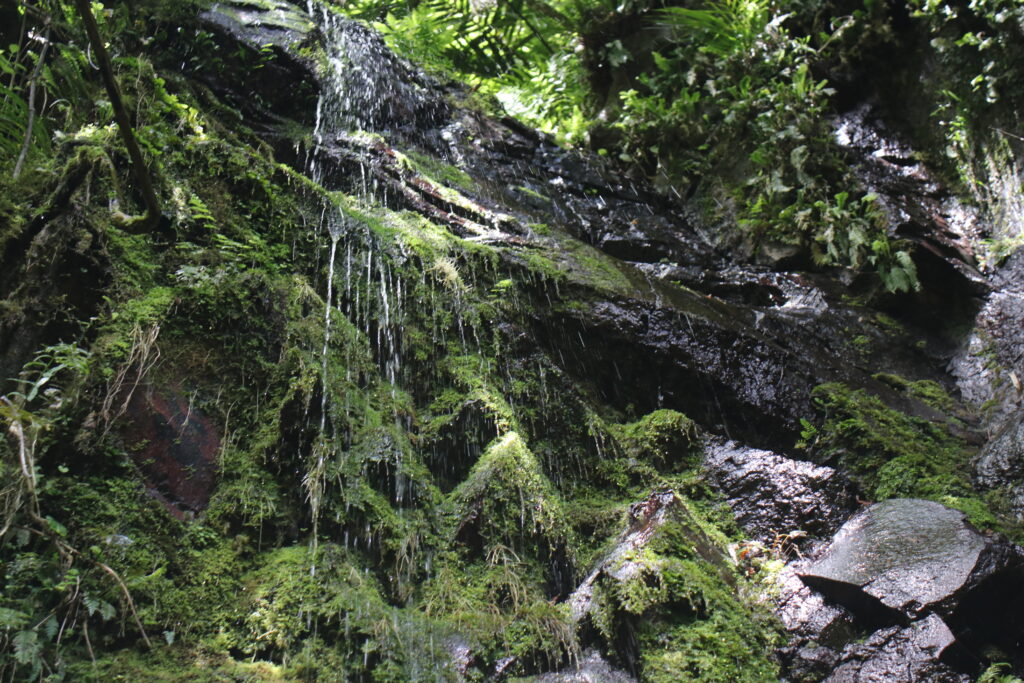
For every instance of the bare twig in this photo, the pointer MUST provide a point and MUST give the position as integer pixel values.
(143, 347)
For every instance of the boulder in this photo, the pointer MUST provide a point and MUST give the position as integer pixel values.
(902, 561)
(817, 630)
(771, 495)
(913, 654)
(806, 615)
(174, 445)
(900, 558)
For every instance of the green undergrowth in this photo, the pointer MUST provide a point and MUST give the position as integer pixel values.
(400, 472)
(891, 454)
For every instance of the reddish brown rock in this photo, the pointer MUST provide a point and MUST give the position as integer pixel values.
(175, 448)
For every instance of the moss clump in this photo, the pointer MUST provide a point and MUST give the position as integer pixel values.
(925, 390)
(678, 595)
(893, 455)
(666, 439)
(506, 500)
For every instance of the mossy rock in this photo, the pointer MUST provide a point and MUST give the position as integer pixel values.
(666, 439)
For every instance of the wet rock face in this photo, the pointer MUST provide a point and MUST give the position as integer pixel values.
(731, 347)
(989, 367)
(905, 561)
(817, 630)
(771, 495)
(1000, 464)
(901, 655)
(175, 447)
(917, 205)
(262, 22)
(263, 34)
(367, 87)
(806, 615)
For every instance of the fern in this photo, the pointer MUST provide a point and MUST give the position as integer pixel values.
(12, 618)
(14, 113)
(724, 27)
(27, 648)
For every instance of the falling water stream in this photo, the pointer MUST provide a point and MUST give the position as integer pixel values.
(349, 104)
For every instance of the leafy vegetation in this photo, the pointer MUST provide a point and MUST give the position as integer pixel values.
(402, 489)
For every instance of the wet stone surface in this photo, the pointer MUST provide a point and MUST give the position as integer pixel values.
(771, 495)
(805, 613)
(263, 22)
(901, 655)
(175, 447)
(915, 202)
(989, 367)
(897, 558)
(592, 668)
(1000, 464)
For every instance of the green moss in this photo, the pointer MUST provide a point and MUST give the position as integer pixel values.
(507, 500)
(440, 172)
(679, 596)
(666, 439)
(925, 390)
(891, 454)
(165, 664)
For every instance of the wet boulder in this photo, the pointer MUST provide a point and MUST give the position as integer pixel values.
(805, 613)
(175, 446)
(817, 630)
(772, 496)
(902, 557)
(914, 654)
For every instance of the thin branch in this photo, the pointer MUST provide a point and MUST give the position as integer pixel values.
(139, 169)
(33, 81)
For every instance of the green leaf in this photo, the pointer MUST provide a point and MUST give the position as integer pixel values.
(107, 610)
(57, 527)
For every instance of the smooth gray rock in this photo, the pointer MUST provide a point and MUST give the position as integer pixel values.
(771, 495)
(261, 22)
(806, 615)
(902, 557)
(900, 655)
